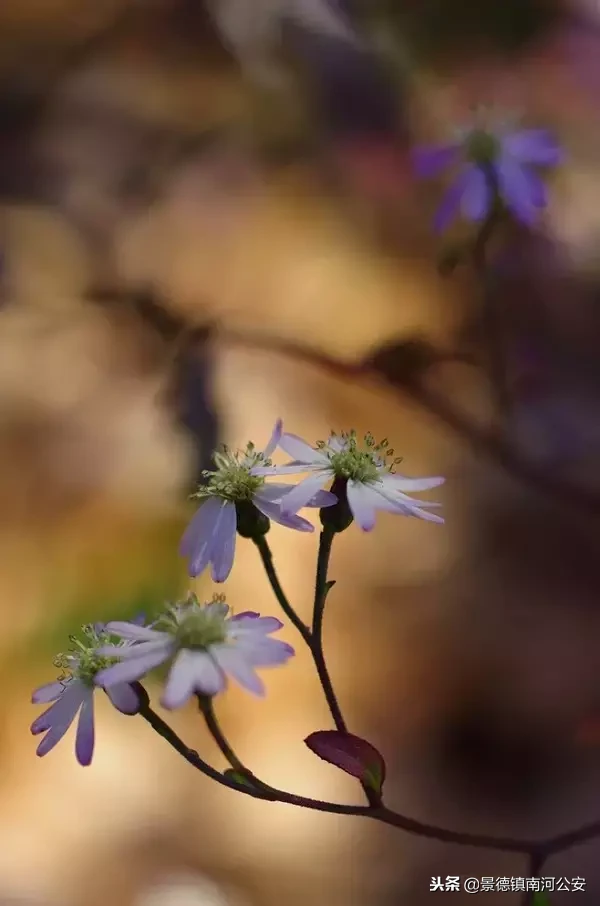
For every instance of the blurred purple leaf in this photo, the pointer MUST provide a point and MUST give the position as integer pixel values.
(351, 754)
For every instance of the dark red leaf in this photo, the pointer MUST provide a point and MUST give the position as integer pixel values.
(351, 754)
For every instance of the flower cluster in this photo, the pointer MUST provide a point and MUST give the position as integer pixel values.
(496, 165)
(203, 644)
(235, 498)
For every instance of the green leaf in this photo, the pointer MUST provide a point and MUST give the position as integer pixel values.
(541, 899)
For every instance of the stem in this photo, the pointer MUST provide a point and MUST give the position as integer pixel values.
(267, 560)
(206, 706)
(538, 850)
(316, 642)
(497, 369)
(170, 736)
(536, 863)
(322, 587)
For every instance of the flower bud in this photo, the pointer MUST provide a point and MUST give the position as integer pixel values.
(339, 516)
(251, 523)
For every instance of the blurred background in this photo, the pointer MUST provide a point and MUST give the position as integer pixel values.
(171, 165)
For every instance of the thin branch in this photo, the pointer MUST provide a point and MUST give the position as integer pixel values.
(316, 644)
(267, 561)
(536, 863)
(540, 850)
(206, 707)
(410, 384)
(493, 335)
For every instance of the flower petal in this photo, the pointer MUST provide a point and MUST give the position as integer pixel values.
(273, 511)
(264, 652)
(521, 188)
(131, 631)
(360, 501)
(223, 543)
(273, 492)
(477, 196)
(470, 182)
(53, 736)
(402, 505)
(84, 740)
(193, 671)
(290, 468)
(124, 698)
(63, 720)
(402, 483)
(246, 614)
(196, 543)
(68, 703)
(209, 678)
(244, 624)
(276, 491)
(134, 669)
(274, 439)
(303, 492)
(429, 161)
(300, 451)
(232, 661)
(534, 146)
(181, 681)
(322, 499)
(127, 652)
(48, 693)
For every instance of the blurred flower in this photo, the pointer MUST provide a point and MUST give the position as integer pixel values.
(497, 165)
(73, 693)
(238, 499)
(362, 476)
(204, 644)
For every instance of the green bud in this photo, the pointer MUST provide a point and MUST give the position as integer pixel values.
(251, 523)
(238, 778)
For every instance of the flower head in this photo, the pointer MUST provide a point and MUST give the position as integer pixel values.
(73, 693)
(361, 471)
(235, 498)
(498, 162)
(204, 644)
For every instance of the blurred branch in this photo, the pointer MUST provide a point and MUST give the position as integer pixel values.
(405, 366)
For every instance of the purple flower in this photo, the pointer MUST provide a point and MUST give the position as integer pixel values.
(369, 481)
(234, 489)
(73, 693)
(495, 164)
(204, 645)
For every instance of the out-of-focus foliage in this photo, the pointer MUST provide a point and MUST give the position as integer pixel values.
(126, 584)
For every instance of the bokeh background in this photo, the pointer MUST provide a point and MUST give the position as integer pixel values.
(187, 188)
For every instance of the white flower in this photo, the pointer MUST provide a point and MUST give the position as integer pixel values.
(73, 694)
(203, 643)
(364, 474)
(236, 488)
